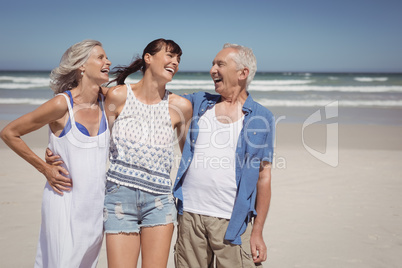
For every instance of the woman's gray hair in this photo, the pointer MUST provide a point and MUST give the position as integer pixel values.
(66, 76)
(244, 58)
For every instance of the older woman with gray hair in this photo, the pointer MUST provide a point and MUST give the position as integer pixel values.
(72, 206)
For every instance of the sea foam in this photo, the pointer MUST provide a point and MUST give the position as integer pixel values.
(371, 79)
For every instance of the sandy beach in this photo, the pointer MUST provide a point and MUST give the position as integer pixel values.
(346, 215)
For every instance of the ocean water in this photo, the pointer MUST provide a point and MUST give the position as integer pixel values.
(273, 90)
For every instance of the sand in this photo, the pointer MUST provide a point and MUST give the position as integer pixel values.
(347, 215)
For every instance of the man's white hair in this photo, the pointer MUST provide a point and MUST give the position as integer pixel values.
(244, 58)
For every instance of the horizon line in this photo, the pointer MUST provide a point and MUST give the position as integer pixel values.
(283, 72)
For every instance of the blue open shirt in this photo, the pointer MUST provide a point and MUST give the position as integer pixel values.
(255, 144)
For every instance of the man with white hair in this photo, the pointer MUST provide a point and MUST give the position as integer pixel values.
(223, 184)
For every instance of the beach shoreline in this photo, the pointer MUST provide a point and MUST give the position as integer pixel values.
(283, 114)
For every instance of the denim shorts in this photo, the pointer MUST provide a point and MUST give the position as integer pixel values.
(128, 209)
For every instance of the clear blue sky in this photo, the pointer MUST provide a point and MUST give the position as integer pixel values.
(285, 35)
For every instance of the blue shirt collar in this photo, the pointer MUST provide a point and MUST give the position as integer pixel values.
(248, 104)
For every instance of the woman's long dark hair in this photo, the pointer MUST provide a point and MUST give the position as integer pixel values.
(121, 72)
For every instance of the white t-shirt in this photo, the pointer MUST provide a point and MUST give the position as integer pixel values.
(210, 184)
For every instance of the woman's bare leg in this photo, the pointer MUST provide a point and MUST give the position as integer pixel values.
(122, 250)
(155, 245)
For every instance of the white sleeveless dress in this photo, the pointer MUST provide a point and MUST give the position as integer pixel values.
(72, 225)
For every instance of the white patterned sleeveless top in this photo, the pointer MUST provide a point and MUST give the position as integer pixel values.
(141, 146)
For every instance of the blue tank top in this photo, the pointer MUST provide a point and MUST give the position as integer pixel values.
(82, 128)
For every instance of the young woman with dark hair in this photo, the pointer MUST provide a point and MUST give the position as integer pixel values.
(140, 212)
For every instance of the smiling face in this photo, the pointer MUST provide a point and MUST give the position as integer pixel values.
(97, 66)
(224, 72)
(163, 64)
